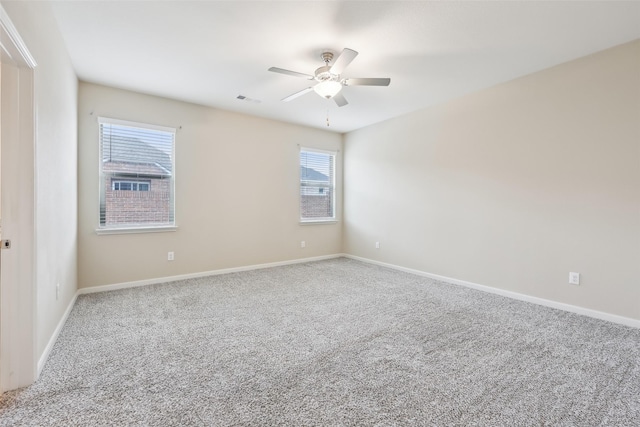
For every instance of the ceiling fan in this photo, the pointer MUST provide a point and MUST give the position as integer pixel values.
(328, 77)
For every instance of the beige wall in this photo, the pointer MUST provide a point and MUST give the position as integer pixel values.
(56, 89)
(512, 187)
(236, 192)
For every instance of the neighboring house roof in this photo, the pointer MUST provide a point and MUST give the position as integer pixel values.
(308, 174)
(132, 151)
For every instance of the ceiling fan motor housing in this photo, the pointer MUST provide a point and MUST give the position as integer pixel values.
(323, 74)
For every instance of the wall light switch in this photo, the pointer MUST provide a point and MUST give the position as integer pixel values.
(170, 256)
(303, 244)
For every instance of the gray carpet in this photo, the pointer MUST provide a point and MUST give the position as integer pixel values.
(330, 343)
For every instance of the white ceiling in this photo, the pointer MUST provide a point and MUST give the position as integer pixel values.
(209, 52)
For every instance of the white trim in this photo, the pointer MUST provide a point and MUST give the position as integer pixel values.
(110, 121)
(509, 294)
(56, 333)
(159, 280)
(12, 33)
(18, 320)
(332, 187)
(627, 321)
(318, 221)
(138, 283)
(133, 230)
(318, 150)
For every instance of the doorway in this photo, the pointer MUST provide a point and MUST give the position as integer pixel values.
(18, 366)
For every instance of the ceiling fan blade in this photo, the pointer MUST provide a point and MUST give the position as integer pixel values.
(367, 82)
(291, 73)
(343, 60)
(340, 99)
(297, 94)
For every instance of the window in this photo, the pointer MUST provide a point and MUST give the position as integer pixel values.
(317, 184)
(136, 175)
(119, 185)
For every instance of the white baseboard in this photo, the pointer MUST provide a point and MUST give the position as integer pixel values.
(81, 291)
(134, 284)
(510, 294)
(54, 336)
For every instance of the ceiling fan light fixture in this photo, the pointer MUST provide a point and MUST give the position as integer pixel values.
(328, 89)
(329, 78)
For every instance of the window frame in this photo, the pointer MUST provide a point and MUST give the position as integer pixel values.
(135, 227)
(318, 220)
(133, 182)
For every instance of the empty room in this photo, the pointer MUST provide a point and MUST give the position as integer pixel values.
(319, 213)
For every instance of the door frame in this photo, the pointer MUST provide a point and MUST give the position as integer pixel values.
(18, 359)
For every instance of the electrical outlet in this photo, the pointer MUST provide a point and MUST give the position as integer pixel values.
(303, 244)
(57, 291)
(170, 256)
(377, 245)
(574, 278)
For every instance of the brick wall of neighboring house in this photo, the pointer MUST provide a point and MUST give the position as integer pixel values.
(316, 206)
(125, 207)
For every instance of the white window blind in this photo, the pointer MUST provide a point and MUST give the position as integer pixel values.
(317, 185)
(136, 175)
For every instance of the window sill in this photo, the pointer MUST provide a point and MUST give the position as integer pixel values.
(318, 221)
(136, 230)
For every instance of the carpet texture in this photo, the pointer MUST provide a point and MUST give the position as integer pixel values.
(329, 343)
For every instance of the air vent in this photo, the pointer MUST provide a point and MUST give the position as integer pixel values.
(247, 99)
